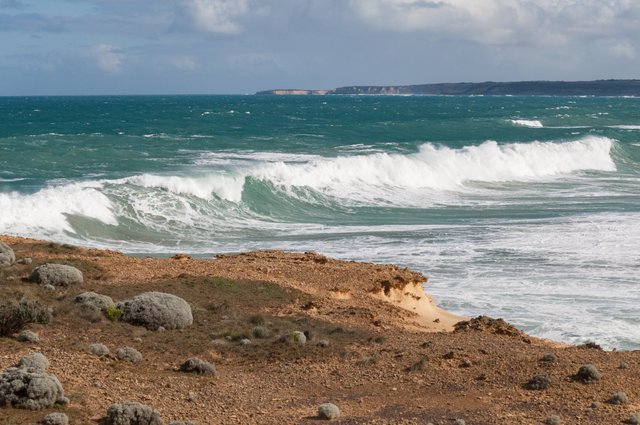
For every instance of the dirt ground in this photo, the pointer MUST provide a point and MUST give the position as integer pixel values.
(392, 356)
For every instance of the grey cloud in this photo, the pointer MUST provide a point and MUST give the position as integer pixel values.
(13, 4)
(31, 22)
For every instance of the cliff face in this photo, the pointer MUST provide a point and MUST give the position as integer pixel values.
(489, 88)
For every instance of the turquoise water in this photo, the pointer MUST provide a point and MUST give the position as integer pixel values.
(515, 207)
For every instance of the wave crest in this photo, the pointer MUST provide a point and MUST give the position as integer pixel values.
(528, 123)
(443, 168)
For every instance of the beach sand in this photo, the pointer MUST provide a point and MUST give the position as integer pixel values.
(378, 347)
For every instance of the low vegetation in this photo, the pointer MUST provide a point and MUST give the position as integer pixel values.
(15, 314)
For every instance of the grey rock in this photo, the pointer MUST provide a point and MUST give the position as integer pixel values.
(323, 343)
(552, 420)
(618, 398)
(199, 366)
(99, 350)
(245, 341)
(56, 418)
(35, 361)
(30, 389)
(28, 336)
(129, 354)
(56, 275)
(538, 382)
(157, 309)
(132, 413)
(25, 260)
(328, 411)
(549, 357)
(587, 374)
(97, 301)
(260, 332)
(7, 257)
(49, 287)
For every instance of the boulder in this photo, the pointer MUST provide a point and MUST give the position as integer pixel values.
(28, 336)
(154, 310)
(97, 301)
(56, 275)
(35, 361)
(56, 418)
(328, 411)
(198, 366)
(7, 257)
(99, 350)
(132, 413)
(30, 389)
(129, 354)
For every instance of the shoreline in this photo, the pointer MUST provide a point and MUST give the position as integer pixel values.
(389, 354)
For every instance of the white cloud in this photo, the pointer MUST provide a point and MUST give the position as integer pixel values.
(623, 50)
(217, 16)
(252, 61)
(185, 63)
(528, 22)
(107, 57)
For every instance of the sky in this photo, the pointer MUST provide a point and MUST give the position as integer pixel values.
(88, 47)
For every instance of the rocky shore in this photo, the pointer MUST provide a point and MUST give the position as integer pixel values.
(273, 337)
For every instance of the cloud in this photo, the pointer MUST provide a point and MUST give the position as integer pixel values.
(252, 61)
(624, 50)
(12, 4)
(185, 63)
(217, 16)
(503, 22)
(107, 58)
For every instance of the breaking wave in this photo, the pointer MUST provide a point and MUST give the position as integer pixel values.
(259, 190)
(528, 123)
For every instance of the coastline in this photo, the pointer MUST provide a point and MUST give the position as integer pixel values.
(392, 356)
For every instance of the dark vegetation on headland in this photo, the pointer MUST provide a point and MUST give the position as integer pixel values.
(488, 88)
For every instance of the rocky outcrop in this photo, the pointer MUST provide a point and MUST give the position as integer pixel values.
(94, 300)
(56, 275)
(29, 386)
(155, 310)
(7, 257)
(197, 366)
(132, 413)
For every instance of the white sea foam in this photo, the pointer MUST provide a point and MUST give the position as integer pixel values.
(626, 127)
(225, 187)
(371, 177)
(244, 158)
(528, 123)
(48, 209)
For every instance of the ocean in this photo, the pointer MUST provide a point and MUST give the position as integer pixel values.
(525, 208)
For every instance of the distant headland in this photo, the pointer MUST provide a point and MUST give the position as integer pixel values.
(488, 88)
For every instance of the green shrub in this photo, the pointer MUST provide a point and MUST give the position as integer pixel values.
(257, 319)
(16, 314)
(114, 313)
